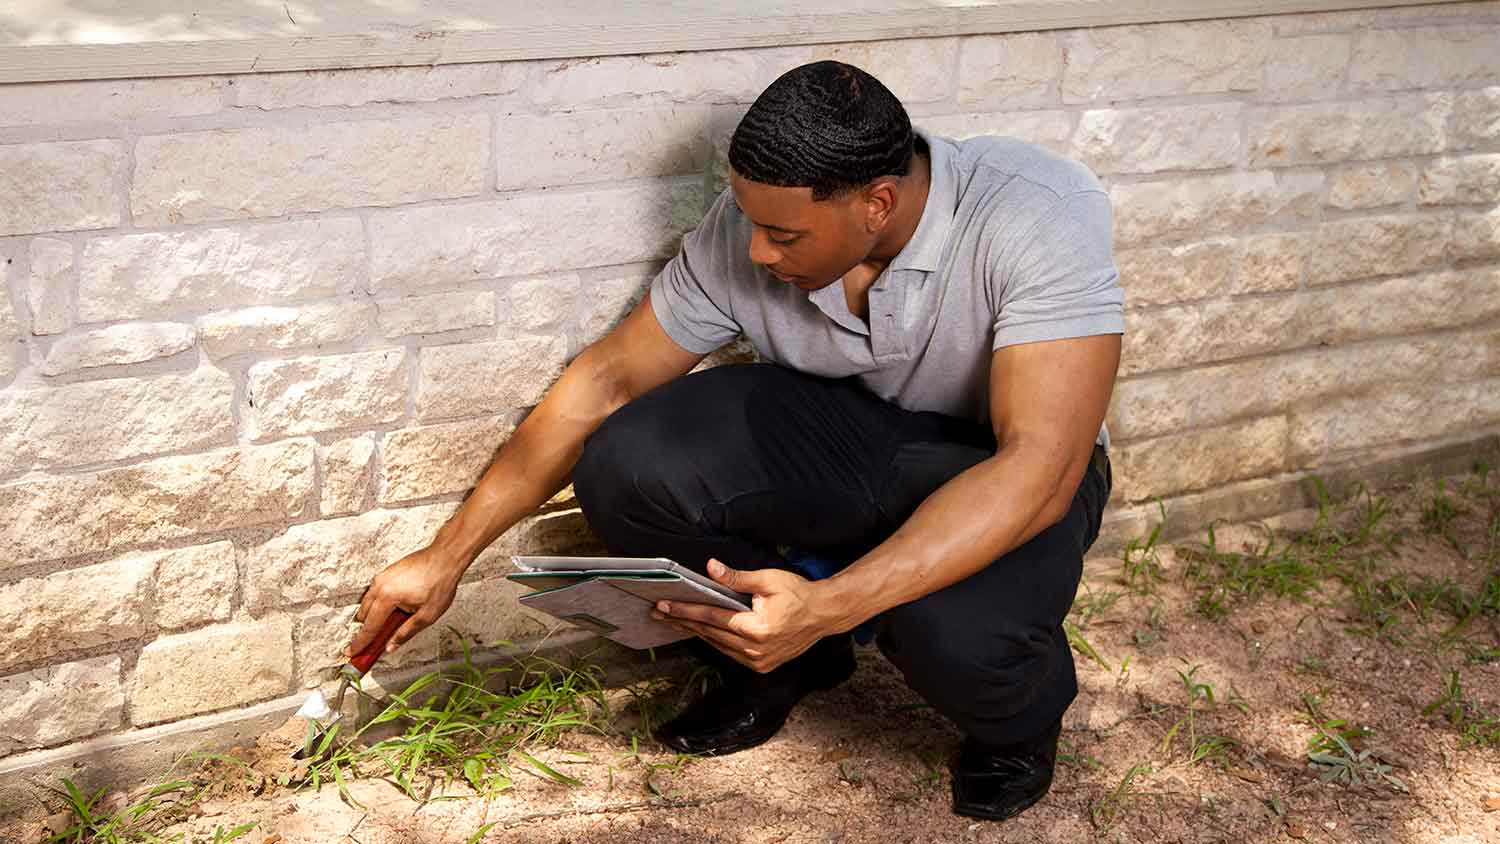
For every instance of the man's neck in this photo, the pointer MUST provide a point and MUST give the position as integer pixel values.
(909, 207)
(913, 201)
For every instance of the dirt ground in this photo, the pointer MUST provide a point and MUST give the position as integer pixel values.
(1378, 606)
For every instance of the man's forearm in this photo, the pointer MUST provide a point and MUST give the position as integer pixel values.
(1023, 489)
(533, 464)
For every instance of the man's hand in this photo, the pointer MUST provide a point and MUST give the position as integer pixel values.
(421, 583)
(786, 617)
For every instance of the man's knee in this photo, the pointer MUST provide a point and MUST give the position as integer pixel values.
(969, 667)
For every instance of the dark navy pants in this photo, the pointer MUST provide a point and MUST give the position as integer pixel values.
(739, 461)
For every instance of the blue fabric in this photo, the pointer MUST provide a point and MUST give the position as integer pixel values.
(813, 567)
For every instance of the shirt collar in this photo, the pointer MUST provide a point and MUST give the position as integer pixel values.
(925, 249)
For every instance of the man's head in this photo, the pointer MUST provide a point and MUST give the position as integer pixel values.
(816, 165)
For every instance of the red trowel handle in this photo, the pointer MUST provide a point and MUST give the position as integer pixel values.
(365, 659)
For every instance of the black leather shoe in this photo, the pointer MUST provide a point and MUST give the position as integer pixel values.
(749, 708)
(998, 784)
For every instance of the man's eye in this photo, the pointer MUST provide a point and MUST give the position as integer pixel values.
(784, 241)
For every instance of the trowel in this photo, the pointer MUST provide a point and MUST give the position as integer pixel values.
(321, 718)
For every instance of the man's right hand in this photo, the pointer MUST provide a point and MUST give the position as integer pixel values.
(422, 583)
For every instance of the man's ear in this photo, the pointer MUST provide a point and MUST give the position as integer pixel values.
(879, 201)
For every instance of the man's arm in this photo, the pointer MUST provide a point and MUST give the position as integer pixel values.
(531, 467)
(1048, 400)
(1047, 403)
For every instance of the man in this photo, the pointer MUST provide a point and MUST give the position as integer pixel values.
(941, 322)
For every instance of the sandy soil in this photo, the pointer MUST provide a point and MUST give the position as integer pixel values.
(865, 762)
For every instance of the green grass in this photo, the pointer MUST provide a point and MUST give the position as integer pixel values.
(455, 728)
(1476, 726)
(459, 730)
(1332, 753)
(1106, 812)
(140, 822)
(1140, 561)
(1201, 747)
(1223, 580)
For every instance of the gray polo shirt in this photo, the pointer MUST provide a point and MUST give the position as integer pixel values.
(1013, 247)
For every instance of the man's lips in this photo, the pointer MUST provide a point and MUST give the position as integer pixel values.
(789, 279)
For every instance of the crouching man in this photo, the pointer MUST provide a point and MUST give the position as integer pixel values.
(940, 328)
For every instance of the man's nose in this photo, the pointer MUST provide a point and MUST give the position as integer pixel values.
(762, 250)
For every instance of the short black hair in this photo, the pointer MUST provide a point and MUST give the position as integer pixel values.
(828, 126)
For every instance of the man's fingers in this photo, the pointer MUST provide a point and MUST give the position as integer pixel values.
(703, 613)
(365, 599)
(722, 639)
(748, 582)
(414, 625)
(370, 625)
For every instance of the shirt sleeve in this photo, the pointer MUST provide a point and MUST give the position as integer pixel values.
(690, 296)
(1062, 281)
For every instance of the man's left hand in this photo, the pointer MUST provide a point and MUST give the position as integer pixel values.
(785, 619)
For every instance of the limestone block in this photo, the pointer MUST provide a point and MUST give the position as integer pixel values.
(487, 612)
(1166, 274)
(116, 419)
(144, 275)
(1372, 185)
(522, 234)
(1271, 262)
(194, 585)
(1476, 236)
(1168, 59)
(1307, 68)
(437, 313)
(1349, 249)
(717, 76)
(475, 379)
(1052, 130)
(1476, 118)
(537, 304)
(346, 475)
(1389, 127)
(1011, 71)
(1426, 57)
(1204, 205)
(197, 176)
(109, 100)
(362, 86)
(79, 608)
(1154, 405)
(1165, 338)
(165, 499)
(305, 395)
(131, 342)
(538, 151)
(209, 669)
(607, 302)
(60, 186)
(59, 703)
(10, 335)
(1148, 140)
(1470, 180)
(438, 459)
(1400, 306)
(322, 560)
(1199, 459)
(49, 291)
(269, 328)
(1393, 413)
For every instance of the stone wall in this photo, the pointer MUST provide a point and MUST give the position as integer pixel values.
(258, 334)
